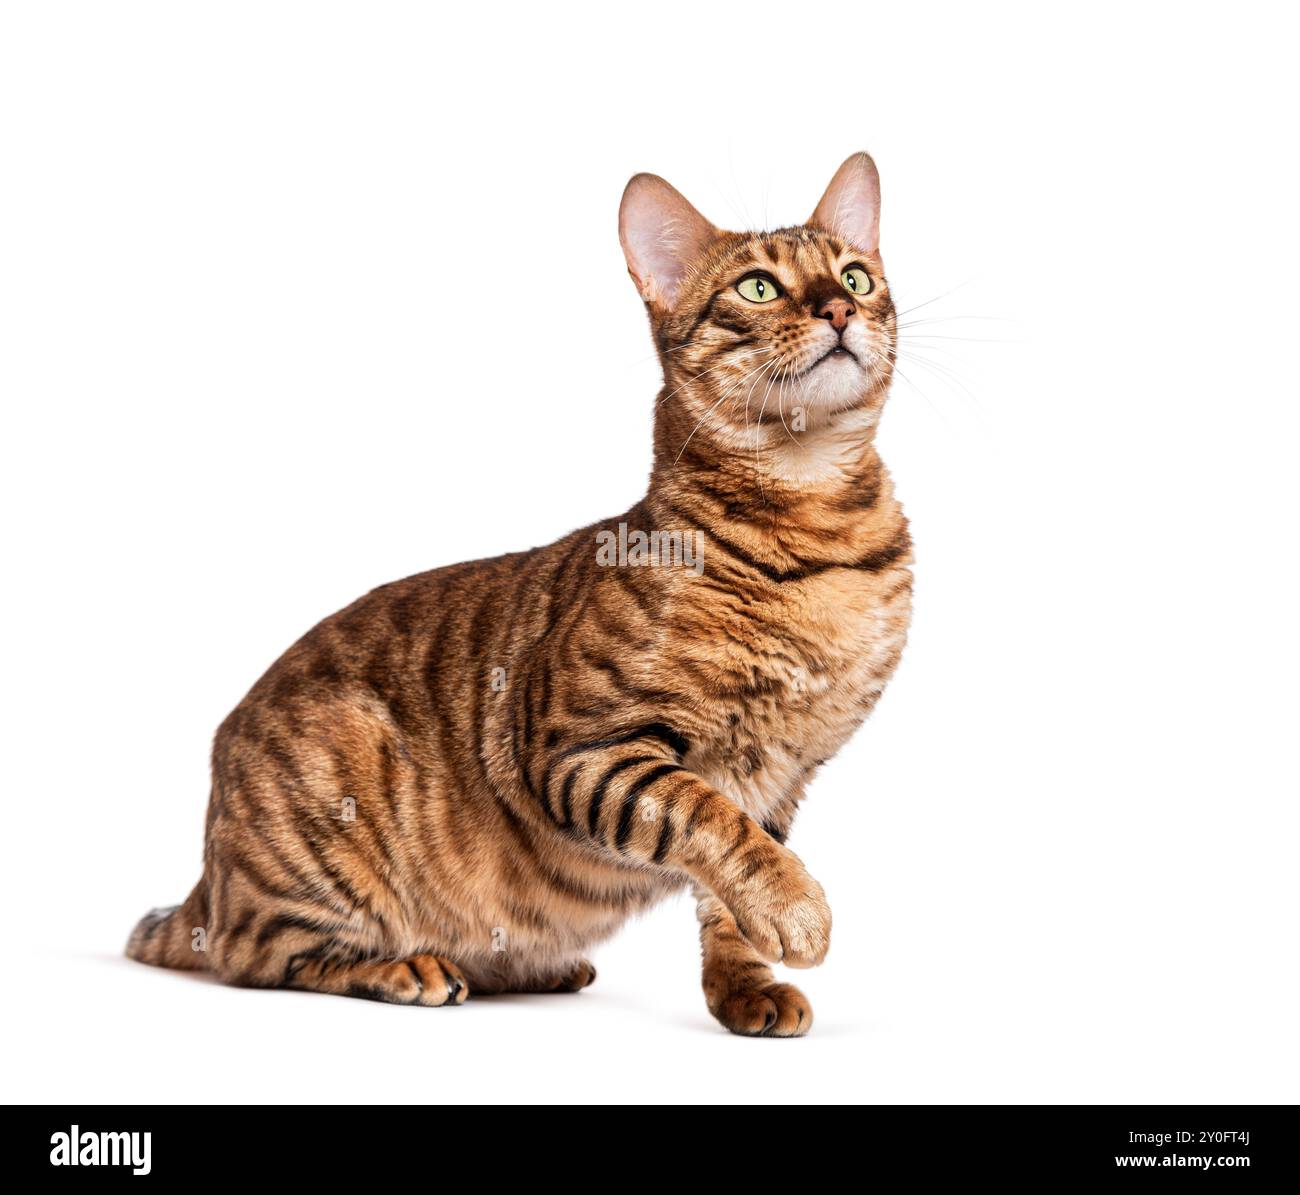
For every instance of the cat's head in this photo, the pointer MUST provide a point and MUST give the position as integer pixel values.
(762, 331)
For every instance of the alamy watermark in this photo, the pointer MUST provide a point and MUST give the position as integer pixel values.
(79, 1147)
(653, 549)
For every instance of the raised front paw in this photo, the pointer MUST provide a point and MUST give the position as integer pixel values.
(764, 1010)
(781, 909)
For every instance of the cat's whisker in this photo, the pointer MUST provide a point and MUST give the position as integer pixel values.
(722, 398)
(773, 365)
(925, 352)
(899, 371)
(954, 319)
(943, 373)
(750, 394)
(678, 348)
(877, 376)
(659, 354)
(918, 347)
(712, 369)
(752, 377)
(780, 408)
(759, 422)
(940, 371)
(729, 361)
(950, 375)
(704, 418)
(918, 306)
(967, 339)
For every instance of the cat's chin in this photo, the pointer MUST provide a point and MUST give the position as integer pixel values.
(836, 383)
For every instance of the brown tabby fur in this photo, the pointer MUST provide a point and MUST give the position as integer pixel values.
(393, 817)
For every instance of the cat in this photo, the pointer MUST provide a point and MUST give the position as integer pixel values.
(466, 779)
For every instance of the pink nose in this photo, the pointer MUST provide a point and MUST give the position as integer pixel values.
(837, 311)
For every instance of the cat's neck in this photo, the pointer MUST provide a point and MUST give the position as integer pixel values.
(796, 498)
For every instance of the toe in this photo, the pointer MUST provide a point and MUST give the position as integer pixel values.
(749, 1013)
(441, 981)
(794, 1013)
(777, 1010)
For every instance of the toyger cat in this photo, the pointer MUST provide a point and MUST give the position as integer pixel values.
(465, 779)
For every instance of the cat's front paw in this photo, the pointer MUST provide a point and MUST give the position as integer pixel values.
(764, 1010)
(782, 911)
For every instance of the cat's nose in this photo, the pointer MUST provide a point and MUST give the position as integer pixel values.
(837, 311)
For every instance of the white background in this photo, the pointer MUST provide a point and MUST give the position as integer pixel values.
(298, 299)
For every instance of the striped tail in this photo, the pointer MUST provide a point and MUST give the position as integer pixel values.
(166, 937)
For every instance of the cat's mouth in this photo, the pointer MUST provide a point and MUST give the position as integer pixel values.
(839, 353)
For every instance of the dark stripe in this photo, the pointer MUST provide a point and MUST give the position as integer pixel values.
(734, 326)
(573, 888)
(340, 881)
(479, 633)
(873, 561)
(242, 865)
(695, 816)
(154, 920)
(675, 742)
(625, 687)
(277, 925)
(344, 833)
(566, 799)
(388, 781)
(864, 497)
(297, 962)
(598, 793)
(240, 928)
(629, 800)
(774, 831)
(665, 837)
(626, 578)
(705, 313)
(652, 730)
(752, 862)
(742, 832)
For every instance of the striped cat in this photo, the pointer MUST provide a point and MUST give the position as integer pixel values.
(466, 779)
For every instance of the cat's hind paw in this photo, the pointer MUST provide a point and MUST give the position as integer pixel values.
(581, 975)
(425, 979)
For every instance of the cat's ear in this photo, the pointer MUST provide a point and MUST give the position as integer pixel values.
(851, 206)
(662, 234)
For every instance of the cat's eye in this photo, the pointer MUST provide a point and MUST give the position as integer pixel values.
(856, 280)
(758, 288)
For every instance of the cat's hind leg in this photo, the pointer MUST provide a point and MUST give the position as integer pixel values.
(319, 942)
(581, 975)
(571, 978)
(739, 987)
(425, 979)
(315, 952)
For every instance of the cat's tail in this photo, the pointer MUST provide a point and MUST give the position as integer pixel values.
(175, 937)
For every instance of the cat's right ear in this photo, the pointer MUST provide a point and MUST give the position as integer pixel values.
(851, 206)
(662, 234)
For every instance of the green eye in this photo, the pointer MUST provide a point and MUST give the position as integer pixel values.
(856, 280)
(758, 288)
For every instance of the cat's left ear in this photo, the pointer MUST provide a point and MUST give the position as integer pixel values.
(662, 235)
(851, 206)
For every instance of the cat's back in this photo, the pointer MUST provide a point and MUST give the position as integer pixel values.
(417, 658)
